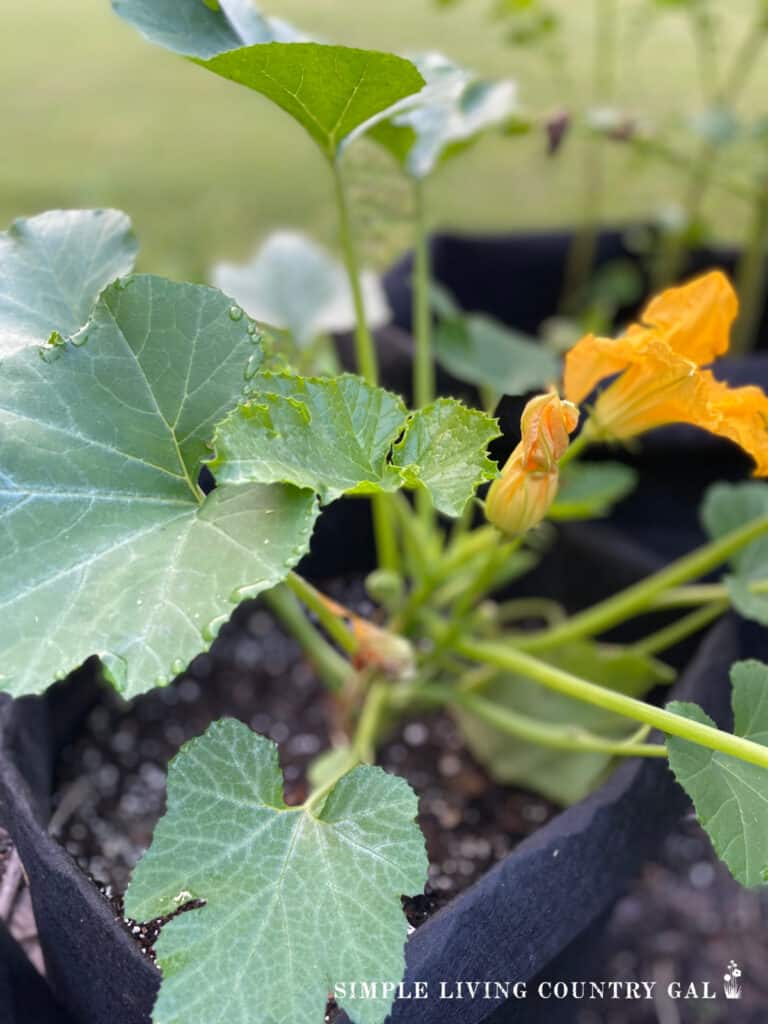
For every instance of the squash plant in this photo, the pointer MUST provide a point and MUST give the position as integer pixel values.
(162, 460)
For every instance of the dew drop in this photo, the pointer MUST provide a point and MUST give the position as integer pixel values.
(178, 667)
(50, 355)
(235, 313)
(253, 366)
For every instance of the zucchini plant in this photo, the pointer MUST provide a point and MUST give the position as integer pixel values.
(163, 458)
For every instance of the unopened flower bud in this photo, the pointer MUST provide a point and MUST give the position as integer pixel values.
(522, 496)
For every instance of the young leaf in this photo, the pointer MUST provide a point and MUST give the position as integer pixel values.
(450, 114)
(278, 883)
(560, 775)
(329, 90)
(726, 507)
(337, 435)
(53, 268)
(100, 451)
(295, 284)
(481, 351)
(195, 28)
(730, 796)
(590, 489)
(332, 434)
(445, 450)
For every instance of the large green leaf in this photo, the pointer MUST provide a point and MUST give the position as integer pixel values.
(329, 90)
(337, 436)
(560, 775)
(108, 546)
(52, 269)
(730, 796)
(199, 28)
(451, 113)
(293, 283)
(297, 900)
(727, 507)
(445, 450)
(479, 350)
(590, 489)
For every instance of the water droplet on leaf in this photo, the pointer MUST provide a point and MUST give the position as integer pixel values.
(235, 313)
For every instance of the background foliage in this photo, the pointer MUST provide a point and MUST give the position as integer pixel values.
(114, 122)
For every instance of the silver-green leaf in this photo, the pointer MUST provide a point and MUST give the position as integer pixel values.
(297, 899)
(730, 795)
(195, 28)
(53, 268)
(294, 284)
(108, 545)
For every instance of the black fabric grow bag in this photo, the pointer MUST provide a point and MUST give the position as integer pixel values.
(537, 913)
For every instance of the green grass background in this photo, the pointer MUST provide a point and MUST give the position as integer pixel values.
(92, 115)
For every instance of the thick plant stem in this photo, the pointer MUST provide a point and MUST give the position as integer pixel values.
(522, 727)
(423, 362)
(367, 364)
(512, 660)
(641, 597)
(315, 601)
(332, 669)
(752, 277)
(703, 593)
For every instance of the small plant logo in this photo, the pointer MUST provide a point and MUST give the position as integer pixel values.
(731, 983)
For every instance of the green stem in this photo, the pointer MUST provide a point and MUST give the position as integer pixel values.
(333, 670)
(642, 596)
(511, 660)
(752, 277)
(423, 362)
(703, 593)
(522, 727)
(575, 448)
(384, 530)
(363, 749)
(314, 600)
(686, 626)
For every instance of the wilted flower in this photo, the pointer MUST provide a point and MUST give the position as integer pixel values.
(660, 377)
(521, 497)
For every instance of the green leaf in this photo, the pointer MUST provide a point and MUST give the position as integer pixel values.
(730, 796)
(294, 284)
(590, 489)
(196, 28)
(329, 90)
(108, 546)
(296, 899)
(53, 268)
(453, 111)
(480, 351)
(725, 508)
(337, 436)
(445, 450)
(560, 775)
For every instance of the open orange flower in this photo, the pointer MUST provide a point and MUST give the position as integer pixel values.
(659, 362)
(521, 497)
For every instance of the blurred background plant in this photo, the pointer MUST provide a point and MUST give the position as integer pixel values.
(651, 111)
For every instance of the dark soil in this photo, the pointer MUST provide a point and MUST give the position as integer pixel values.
(684, 919)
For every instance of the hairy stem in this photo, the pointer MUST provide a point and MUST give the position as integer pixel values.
(332, 669)
(315, 601)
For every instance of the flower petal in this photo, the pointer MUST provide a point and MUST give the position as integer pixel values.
(695, 319)
(593, 359)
